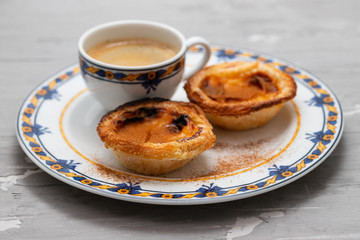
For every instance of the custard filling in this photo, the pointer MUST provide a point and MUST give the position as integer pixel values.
(155, 125)
(235, 89)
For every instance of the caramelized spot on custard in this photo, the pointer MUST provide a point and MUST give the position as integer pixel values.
(263, 82)
(238, 89)
(138, 115)
(179, 123)
(155, 125)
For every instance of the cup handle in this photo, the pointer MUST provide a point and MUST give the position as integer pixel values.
(205, 58)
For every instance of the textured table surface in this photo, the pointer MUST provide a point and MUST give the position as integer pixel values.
(39, 37)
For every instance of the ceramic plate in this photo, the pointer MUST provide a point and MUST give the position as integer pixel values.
(56, 127)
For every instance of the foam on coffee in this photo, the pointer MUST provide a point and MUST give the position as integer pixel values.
(131, 52)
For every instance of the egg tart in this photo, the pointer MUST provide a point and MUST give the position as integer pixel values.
(156, 136)
(240, 95)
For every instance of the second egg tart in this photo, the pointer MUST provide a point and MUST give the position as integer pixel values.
(156, 136)
(240, 95)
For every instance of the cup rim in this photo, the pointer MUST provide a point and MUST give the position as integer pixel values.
(94, 29)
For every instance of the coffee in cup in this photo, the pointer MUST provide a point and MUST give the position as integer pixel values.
(132, 52)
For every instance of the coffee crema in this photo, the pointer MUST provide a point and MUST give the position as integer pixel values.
(131, 52)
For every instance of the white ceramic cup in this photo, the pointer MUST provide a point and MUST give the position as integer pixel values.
(113, 85)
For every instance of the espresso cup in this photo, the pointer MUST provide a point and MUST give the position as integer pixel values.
(113, 85)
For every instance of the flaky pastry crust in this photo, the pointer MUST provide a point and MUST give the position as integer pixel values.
(151, 158)
(247, 113)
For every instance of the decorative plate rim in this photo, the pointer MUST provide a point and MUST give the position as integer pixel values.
(192, 200)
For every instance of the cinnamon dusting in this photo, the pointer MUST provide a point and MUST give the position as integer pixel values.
(240, 156)
(115, 176)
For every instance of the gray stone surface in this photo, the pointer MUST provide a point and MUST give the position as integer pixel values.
(39, 37)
